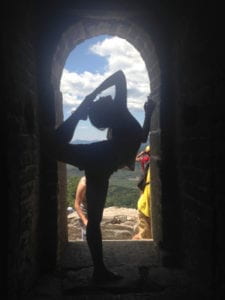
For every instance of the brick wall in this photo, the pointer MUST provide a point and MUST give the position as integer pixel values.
(21, 158)
(199, 146)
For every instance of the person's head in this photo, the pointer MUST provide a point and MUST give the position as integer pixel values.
(102, 112)
(147, 150)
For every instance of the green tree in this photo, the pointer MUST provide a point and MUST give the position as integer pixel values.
(122, 196)
(121, 192)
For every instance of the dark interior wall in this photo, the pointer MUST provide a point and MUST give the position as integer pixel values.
(20, 145)
(192, 143)
(199, 65)
(195, 135)
(188, 42)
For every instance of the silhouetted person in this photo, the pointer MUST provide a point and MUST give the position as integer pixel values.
(143, 228)
(100, 159)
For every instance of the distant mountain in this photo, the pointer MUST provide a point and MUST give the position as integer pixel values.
(93, 141)
(84, 141)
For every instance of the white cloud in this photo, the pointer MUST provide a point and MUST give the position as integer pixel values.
(119, 55)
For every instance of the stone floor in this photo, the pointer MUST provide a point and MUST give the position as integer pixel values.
(137, 261)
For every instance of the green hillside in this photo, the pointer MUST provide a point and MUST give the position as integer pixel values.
(122, 191)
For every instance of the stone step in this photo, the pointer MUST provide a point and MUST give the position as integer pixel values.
(137, 261)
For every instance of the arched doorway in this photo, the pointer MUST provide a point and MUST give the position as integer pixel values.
(87, 28)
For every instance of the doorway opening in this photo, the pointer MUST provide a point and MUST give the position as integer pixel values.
(121, 27)
(87, 65)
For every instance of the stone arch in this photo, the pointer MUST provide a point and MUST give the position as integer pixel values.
(87, 28)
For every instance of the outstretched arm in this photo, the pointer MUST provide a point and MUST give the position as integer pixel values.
(149, 107)
(65, 131)
(55, 140)
(119, 80)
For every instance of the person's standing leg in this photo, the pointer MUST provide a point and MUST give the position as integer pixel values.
(96, 195)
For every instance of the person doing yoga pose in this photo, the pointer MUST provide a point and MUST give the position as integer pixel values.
(100, 159)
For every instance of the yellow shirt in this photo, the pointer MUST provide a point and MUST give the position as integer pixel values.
(143, 204)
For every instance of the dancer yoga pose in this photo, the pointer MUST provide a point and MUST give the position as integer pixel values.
(100, 159)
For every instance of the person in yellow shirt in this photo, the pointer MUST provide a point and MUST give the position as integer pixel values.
(143, 228)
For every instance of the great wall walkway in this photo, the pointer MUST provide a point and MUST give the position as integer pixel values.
(137, 261)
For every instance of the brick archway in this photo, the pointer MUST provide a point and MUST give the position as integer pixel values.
(89, 27)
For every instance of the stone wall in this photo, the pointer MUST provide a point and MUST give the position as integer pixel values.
(197, 122)
(21, 156)
(118, 223)
(187, 134)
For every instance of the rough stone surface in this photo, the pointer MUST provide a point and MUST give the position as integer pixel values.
(118, 223)
(143, 277)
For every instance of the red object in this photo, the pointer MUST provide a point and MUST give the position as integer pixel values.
(144, 160)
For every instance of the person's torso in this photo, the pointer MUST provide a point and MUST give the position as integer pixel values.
(107, 156)
(127, 139)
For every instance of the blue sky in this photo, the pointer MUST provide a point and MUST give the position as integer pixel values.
(89, 64)
(82, 59)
